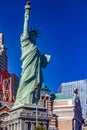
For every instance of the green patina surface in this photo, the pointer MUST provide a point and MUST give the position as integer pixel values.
(44, 87)
(60, 96)
(32, 64)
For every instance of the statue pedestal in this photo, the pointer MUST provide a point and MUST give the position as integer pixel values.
(24, 118)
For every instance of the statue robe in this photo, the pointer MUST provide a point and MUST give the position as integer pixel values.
(32, 61)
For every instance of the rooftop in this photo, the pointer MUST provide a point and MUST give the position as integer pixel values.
(60, 96)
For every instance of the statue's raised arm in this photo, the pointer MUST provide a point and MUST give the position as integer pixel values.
(26, 19)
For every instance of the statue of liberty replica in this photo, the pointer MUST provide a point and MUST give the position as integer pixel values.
(32, 63)
(24, 114)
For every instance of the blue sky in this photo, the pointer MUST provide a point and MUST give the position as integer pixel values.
(63, 35)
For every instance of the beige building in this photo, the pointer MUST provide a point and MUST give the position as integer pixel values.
(66, 112)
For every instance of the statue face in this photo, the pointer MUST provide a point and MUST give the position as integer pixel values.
(33, 36)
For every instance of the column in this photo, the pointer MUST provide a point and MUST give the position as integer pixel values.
(11, 127)
(15, 126)
(20, 124)
(26, 125)
(75, 124)
(8, 127)
(32, 125)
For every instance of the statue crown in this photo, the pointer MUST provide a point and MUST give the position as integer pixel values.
(35, 32)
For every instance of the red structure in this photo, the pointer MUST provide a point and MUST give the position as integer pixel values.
(5, 87)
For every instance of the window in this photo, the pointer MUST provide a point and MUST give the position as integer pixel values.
(86, 100)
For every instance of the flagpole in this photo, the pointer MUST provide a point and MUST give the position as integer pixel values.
(36, 114)
(36, 99)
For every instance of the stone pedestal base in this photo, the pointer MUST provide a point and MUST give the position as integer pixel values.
(24, 118)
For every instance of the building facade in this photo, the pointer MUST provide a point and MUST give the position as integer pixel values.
(60, 111)
(3, 54)
(66, 112)
(81, 85)
(5, 108)
(14, 84)
(8, 85)
(8, 82)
